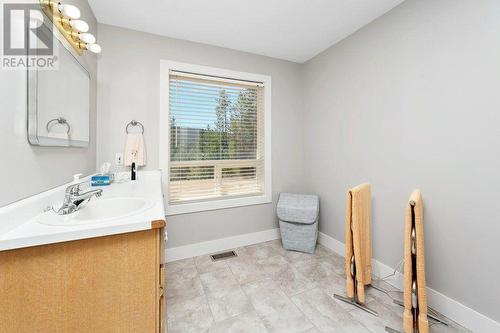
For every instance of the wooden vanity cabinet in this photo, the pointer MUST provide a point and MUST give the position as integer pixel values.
(104, 284)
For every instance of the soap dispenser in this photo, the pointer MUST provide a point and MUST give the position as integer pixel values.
(76, 178)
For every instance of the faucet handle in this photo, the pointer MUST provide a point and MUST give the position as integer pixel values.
(73, 189)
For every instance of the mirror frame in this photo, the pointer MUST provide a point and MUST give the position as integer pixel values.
(32, 92)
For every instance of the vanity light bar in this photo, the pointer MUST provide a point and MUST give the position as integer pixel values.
(66, 19)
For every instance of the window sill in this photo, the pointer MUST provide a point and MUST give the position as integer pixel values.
(194, 207)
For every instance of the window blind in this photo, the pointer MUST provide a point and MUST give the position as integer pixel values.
(216, 138)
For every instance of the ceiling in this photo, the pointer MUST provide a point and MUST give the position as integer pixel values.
(295, 30)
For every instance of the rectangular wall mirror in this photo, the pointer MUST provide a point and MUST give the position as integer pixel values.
(59, 98)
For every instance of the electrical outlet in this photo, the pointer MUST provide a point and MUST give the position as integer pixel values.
(119, 159)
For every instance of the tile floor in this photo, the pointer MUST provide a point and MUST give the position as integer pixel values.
(269, 289)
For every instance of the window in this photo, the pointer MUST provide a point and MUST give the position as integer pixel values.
(217, 138)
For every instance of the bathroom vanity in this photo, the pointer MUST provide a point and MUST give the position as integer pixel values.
(96, 273)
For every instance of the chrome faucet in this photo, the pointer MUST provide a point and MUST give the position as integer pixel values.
(74, 200)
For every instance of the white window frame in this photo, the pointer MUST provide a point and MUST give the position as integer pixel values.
(164, 134)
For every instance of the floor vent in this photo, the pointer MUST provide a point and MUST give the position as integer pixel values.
(223, 255)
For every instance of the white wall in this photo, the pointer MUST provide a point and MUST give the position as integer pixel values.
(128, 88)
(26, 170)
(412, 101)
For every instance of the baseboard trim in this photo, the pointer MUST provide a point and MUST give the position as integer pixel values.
(216, 245)
(452, 309)
(331, 243)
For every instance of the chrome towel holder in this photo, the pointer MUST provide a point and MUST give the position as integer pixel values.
(134, 123)
(59, 120)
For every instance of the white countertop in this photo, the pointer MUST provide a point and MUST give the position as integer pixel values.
(19, 226)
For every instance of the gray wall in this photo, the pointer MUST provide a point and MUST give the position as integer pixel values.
(128, 82)
(27, 170)
(412, 101)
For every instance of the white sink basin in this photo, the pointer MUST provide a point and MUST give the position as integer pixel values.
(98, 211)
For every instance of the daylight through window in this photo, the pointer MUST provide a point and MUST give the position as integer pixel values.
(216, 138)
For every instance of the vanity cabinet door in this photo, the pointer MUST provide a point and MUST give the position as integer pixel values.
(104, 284)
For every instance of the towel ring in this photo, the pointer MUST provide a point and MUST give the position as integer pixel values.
(134, 123)
(59, 120)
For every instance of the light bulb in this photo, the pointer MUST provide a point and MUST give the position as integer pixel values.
(87, 38)
(95, 48)
(79, 25)
(69, 11)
